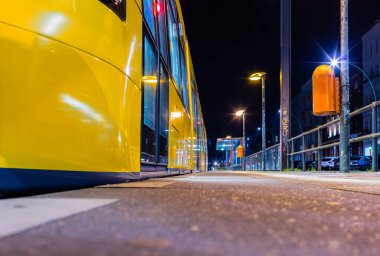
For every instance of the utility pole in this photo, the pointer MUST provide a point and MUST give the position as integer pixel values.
(345, 91)
(263, 124)
(244, 143)
(285, 82)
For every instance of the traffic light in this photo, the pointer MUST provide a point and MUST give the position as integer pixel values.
(325, 91)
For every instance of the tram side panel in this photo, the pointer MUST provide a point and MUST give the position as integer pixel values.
(69, 105)
(179, 133)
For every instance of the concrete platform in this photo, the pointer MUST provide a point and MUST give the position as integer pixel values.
(203, 214)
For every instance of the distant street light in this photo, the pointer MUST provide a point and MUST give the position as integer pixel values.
(242, 113)
(256, 77)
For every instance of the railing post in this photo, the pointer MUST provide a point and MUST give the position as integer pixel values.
(303, 154)
(292, 156)
(319, 150)
(374, 140)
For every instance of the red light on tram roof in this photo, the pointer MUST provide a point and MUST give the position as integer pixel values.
(158, 8)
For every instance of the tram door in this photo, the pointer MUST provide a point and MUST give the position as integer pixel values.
(155, 117)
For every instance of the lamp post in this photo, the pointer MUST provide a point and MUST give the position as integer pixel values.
(256, 77)
(345, 91)
(242, 113)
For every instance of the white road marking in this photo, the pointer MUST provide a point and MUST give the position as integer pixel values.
(18, 215)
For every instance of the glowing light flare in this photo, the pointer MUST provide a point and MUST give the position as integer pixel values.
(240, 113)
(334, 62)
(175, 115)
(257, 76)
(149, 79)
(52, 23)
(83, 108)
(158, 8)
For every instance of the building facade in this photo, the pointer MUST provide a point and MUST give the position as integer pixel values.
(370, 65)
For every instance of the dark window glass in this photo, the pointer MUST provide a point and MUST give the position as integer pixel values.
(174, 47)
(194, 99)
(174, 7)
(184, 84)
(149, 15)
(118, 7)
(162, 29)
(164, 116)
(148, 141)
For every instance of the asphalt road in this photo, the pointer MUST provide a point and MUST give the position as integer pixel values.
(201, 214)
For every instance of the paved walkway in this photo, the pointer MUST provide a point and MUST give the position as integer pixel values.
(214, 213)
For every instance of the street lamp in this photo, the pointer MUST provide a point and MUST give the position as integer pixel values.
(256, 77)
(242, 113)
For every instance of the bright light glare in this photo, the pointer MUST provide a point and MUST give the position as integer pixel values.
(149, 79)
(257, 76)
(334, 62)
(82, 108)
(239, 113)
(175, 115)
(52, 23)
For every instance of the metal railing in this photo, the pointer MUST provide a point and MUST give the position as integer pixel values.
(253, 162)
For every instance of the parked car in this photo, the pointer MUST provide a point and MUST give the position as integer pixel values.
(329, 163)
(310, 164)
(313, 165)
(354, 163)
(365, 163)
(298, 164)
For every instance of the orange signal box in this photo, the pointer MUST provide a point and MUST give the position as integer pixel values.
(325, 91)
(240, 151)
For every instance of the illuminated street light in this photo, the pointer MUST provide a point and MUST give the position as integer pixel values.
(256, 77)
(334, 62)
(239, 113)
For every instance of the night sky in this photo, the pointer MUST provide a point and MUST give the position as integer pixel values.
(229, 40)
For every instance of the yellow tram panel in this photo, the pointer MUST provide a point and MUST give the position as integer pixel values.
(87, 25)
(59, 117)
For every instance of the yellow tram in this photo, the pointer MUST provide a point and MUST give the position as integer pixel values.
(95, 92)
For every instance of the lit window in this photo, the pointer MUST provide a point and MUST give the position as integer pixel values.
(174, 48)
(162, 31)
(149, 16)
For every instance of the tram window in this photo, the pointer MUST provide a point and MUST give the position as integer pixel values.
(118, 7)
(162, 29)
(164, 115)
(184, 86)
(149, 15)
(172, 3)
(174, 47)
(149, 102)
(194, 99)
